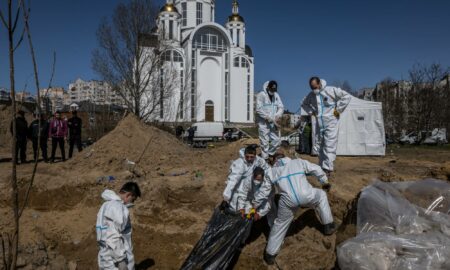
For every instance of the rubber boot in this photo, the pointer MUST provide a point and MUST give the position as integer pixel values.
(269, 259)
(329, 229)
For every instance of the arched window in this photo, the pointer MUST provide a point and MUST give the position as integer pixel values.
(209, 111)
(245, 63)
(166, 56)
(177, 57)
(169, 56)
(236, 62)
(210, 39)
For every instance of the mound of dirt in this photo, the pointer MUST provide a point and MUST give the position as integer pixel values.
(134, 141)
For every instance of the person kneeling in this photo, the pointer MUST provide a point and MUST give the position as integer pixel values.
(250, 190)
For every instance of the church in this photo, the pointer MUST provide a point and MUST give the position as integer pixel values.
(214, 64)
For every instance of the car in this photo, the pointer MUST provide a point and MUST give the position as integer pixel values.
(205, 132)
(410, 138)
(232, 134)
(291, 139)
(437, 137)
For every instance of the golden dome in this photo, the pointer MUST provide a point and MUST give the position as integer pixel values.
(169, 8)
(235, 18)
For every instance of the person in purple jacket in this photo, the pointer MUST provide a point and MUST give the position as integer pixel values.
(58, 133)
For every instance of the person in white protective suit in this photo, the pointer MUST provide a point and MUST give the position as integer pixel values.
(241, 171)
(269, 110)
(289, 175)
(251, 189)
(113, 228)
(325, 103)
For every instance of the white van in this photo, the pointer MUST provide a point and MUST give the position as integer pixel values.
(206, 132)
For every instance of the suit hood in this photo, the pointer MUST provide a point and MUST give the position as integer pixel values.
(109, 195)
(265, 86)
(323, 83)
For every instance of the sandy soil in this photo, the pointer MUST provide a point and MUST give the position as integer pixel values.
(57, 229)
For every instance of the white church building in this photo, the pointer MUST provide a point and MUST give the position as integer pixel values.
(214, 63)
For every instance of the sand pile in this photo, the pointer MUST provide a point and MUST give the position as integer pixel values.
(134, 141)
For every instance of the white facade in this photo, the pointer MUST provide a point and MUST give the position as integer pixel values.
(97, 92)
(215, 67)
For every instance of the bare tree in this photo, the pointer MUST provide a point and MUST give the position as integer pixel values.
(127, 64)
(10, 22)
(425, 104)
(419, 104)
(10, 240)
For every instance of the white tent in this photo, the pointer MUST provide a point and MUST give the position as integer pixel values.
(361, 129)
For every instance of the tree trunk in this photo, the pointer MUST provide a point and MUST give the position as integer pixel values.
(14, 189)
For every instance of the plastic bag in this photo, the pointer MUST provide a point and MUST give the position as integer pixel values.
(404, 225)
(386, 251)
(223, 236)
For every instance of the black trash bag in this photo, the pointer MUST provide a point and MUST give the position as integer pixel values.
(223, 236)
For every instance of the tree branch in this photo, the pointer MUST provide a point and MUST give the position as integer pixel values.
(3, 19)
(16, 19)
(36, 79)
(20, 39)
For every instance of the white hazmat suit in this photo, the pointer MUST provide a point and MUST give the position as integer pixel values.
(268, 111)
(241, 172)
(322, 106)
(267, 207)
(114, 233)
(295, 192)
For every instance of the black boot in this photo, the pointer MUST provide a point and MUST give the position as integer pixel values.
(269, 259)
(327, 172)
(329, 229)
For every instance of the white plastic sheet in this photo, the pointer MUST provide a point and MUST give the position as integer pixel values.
(404, 225)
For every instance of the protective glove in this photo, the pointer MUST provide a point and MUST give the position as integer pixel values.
(223, 205)
(242, 211)
(251, 213)
(122, 265)
(336, 113)
(326, 187)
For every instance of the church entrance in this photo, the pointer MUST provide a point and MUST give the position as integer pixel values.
(209, 111)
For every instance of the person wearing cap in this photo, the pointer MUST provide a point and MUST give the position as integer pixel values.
(269, 111)
(21, 137)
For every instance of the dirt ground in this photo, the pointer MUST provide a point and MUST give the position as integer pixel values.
(181, 187)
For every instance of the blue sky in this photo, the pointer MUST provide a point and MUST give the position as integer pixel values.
(359, 41)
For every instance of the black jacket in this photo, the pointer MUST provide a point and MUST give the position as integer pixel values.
(21, 128)
(34, 129)
(74, 125)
